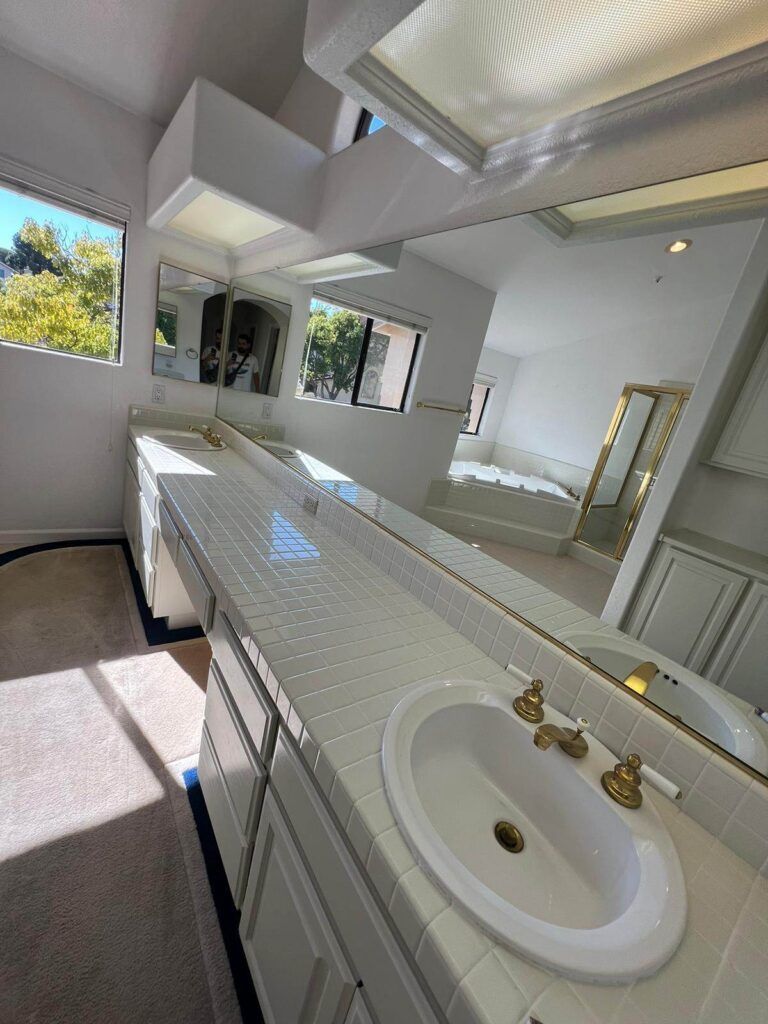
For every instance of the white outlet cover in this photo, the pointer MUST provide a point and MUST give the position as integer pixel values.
(266, 410)
(158, 394)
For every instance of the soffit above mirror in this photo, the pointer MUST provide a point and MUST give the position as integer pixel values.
(228, 176)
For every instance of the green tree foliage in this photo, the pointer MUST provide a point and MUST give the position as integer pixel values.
(71, 303)
(334, 340)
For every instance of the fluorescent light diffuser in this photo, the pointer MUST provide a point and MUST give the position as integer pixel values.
(496, 70)
(213, 218)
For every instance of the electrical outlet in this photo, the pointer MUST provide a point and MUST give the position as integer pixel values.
(158, 394)
(310, 504)
(266, 411)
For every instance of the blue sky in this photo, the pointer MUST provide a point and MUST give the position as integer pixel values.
(14, 208)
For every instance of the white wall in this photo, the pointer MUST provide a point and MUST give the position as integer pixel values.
(67, 415)
(395, 454)
(562, 400)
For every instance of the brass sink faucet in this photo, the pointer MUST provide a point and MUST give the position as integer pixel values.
(214, 440)
(571, 741)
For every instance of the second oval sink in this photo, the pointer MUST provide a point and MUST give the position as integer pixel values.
(527, 841)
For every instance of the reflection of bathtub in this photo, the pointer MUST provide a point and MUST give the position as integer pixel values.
(495, 475)
(684, 694)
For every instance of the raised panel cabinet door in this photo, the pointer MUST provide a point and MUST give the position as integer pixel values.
(131, 499)
(684, 606)
(298, 968)
(740, 664)
(358, 1011)
(743, 444)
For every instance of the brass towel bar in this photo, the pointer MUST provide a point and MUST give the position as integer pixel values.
(442, 408)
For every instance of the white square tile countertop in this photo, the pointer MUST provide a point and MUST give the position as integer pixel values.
(339, 642)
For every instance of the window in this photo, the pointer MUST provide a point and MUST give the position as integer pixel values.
(354, 359)
(479, 398)
(60, 277)
(367, 125)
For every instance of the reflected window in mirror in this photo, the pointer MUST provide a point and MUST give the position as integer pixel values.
(477, 409)
(351, 358)
(257, 337)
(189, 322)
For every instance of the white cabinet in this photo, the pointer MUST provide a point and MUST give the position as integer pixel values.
(743, 444)
(684, 605)
(233, 780)
(164, 591)
(299, 970)
(741, 663)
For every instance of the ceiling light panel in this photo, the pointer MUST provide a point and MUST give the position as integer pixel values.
(496, 69)
(213, 218)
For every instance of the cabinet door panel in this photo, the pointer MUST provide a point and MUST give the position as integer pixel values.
(300, 972)
(684, 606)
(131, 499)
(358, 1011)
(743, 445)
(740, 665)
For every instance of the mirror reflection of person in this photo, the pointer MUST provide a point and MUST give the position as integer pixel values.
(243, 366)
(210, 360)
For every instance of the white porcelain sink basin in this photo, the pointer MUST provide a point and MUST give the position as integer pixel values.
(679, 692)
(185, 440)
(596, 893)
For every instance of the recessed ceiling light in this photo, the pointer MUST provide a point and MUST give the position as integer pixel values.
(679, 245)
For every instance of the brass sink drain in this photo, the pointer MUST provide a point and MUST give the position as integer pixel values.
(508, 836)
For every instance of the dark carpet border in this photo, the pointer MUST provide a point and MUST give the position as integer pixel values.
(227, 913)
(156, 632)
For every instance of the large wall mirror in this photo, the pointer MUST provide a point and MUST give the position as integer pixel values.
(189, 325)
(583, 436)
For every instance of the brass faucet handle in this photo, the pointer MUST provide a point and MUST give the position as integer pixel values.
(623, 783)
(530, 704)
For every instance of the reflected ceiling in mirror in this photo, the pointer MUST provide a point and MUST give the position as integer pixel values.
(189, 324)
(601, 467)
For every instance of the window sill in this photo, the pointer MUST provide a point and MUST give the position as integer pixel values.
(326, 402)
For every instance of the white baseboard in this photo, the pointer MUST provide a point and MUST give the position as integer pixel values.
(28, 537)
(594, 558)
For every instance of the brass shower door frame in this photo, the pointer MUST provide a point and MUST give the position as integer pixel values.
(651, 391)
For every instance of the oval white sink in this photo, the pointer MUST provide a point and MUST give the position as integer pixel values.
(683, 694)
(596, 893)
(186, 440)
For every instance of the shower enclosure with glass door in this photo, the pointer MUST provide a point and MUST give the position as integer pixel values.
(626, 469)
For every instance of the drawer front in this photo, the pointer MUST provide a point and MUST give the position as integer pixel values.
(149, 531)
(168, 531)
(234, 848)
(390, 979)
(196, 585)
(147, 574)
(133, 459)
(240, 765)
(256, 707)
(149, 490)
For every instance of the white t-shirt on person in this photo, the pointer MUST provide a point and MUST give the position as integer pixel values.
(245, 370)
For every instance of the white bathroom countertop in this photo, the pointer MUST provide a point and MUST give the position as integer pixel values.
(339, 642)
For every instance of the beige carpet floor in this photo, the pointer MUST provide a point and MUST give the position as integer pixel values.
(104, 913)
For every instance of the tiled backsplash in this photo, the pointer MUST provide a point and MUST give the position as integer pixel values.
(719, 796)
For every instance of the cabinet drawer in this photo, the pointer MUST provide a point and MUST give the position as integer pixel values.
(298, 967)
(196, 585)
(149, 490)
(390, 978)
(147, 574)
(148, 529)
(256, 707)
(133, 459)
(235, 848)
(168, 530)
(240, 765)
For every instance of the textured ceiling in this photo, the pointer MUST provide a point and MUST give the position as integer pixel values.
(549, 296)
(144, 54)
